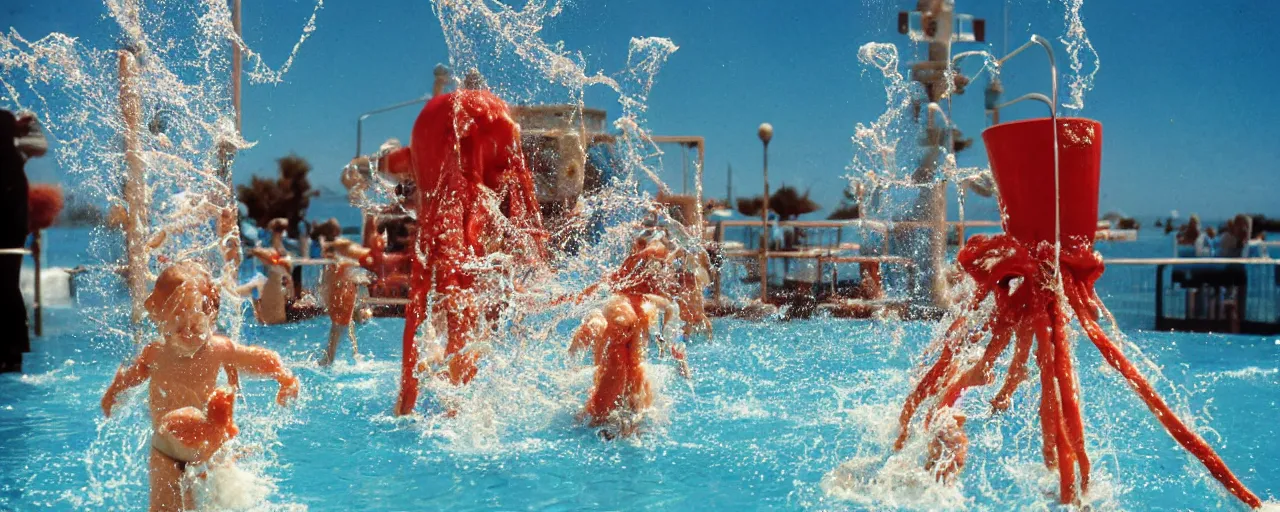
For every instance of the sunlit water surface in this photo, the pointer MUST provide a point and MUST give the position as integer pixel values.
(774, 407)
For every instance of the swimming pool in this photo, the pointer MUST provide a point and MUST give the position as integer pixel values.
(774, 408)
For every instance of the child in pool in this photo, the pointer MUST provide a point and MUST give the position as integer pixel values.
(183, 371)
(278, 301)
(339, 286)
(617, 335)
(692, 278)
(274, 303)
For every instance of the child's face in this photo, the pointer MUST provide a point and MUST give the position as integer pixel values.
(180, 315)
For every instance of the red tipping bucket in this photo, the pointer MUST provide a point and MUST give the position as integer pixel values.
(1021, 156)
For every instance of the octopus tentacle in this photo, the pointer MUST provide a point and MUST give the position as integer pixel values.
(928, 384)
(1069, 388)
(461, 316)
(1049, 418)
(1035, 318)
(1017, 370)
(414, 314)
(1186, 437)
(980, 374)
(1055, 434)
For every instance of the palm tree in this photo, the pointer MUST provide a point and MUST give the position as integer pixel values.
(287, 197)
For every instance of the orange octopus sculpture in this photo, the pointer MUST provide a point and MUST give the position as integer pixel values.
(1029, 280)
(475, 199)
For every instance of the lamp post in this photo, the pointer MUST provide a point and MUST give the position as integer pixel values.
(765, 132)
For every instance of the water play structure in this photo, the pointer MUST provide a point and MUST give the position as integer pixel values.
(465, 158)
(1041, 274)
(511, 203)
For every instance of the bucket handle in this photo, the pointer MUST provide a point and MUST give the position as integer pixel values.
(1053, 116)
(1036, 39)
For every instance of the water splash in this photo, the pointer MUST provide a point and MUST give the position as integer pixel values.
(1080, 53)
(885, 154)
(181, 85)
(526, 383)
(877, 146)
(167, 91)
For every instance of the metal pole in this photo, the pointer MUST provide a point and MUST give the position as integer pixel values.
(723, 260)
(728, 198)
(227, 152)
(765, 132)
(438, 85)
(684, 169)
(39, 298)
(702, 153)
(930, 205)
(135, 188)
(366, 115)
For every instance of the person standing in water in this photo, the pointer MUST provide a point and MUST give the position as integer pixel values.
(191, 417)
(276, 303)
(340, 288)
(20, 140)
(618, 335)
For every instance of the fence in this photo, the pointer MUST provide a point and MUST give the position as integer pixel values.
(1197, 294)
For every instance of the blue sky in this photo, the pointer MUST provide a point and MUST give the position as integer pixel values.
(1182, 91)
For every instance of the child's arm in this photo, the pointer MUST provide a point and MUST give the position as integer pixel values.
(129, 376)
(260, 361)
(591, 330)
(248, 288)
(670, 311)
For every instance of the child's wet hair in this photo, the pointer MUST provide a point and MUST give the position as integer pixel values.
(278, 225)
(178, 275)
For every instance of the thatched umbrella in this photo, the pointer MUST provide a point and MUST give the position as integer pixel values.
(750, 206)
(786, 202)
(789, 204)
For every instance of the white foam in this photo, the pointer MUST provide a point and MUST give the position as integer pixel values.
(233, 487)
(1248, 372)
(55, 287)
(746, 408)
(56, 375)
(900, 482)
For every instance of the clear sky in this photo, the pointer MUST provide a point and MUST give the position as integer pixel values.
(1182, 91)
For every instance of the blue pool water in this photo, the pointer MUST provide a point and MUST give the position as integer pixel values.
(774, 407)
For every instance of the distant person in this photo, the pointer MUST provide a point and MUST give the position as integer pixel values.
(278, 227)
(1256, 247)
(276, 302)
(323, 233)
(1190, 235)
(28, 142)
(1234, 237)
(273, 303)
(340, 287)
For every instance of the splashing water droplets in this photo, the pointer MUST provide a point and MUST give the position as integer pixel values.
(1080, 52)
(167, 93)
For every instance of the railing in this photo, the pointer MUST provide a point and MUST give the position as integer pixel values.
(38, 313)
(1195, 294)
(828, 246)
